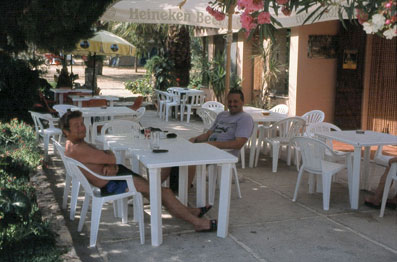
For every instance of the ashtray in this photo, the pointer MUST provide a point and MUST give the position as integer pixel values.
(265, 113)
(360, 132)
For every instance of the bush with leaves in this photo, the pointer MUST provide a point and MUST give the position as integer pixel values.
(160, 67)
(140, 86)
(23, 234)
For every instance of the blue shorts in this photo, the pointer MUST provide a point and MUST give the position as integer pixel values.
(117, 186)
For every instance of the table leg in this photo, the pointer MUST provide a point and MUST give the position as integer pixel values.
(354, 184)
(155, 206)
(224, 200)
(183, 186)
(366, 167)
(254, 138)
(80, 103)
(61, 98)
(88, 126)
(201, 186)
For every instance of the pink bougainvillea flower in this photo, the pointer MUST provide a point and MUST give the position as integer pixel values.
(216, 14)
(250, 5)
(246, 21)
(264, 18)
(389, 4)
(361, 16)
(281, 2)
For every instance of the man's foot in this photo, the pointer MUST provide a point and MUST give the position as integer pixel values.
(212, 227)
(204, 210)
(377, 205)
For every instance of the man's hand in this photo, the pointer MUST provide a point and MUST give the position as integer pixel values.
(110, 170)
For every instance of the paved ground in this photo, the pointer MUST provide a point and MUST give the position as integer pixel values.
(265, 225)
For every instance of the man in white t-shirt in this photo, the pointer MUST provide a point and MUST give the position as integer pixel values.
(231, 129)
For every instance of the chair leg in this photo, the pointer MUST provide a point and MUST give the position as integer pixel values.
(182, 113)
(385, 194)
(124, 210)
(234, 170)
(46, 142)
(312, 183)
(66, 190)
(212, 175)
(73, 200)
(138, 202)
(326, 190)
(83, 213)
(298, 181)
(276, 150)
(96, 210)
(189, 111)
(242, 156)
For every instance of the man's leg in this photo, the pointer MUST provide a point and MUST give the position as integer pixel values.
(377, 197)
(173, 205)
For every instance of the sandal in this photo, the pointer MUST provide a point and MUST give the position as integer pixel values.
(213, 226)
(204, 210)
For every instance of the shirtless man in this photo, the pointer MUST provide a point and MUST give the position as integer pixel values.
(104, 163)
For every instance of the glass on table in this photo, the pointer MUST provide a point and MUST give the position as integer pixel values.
(155, 140)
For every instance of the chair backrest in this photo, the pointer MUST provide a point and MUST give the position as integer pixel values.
(63, 108)
(42, 121)
(313, 152)
(213, 105)
(141, 111)
(287, 128)
(61, 150)
(137, 103)
(74, 167)
(281, 108)
(119, 127)
(208, 116)
(194, 100)
(314, 116)
(311, 129)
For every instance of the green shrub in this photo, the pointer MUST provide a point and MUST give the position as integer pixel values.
(140, 86)
(161, 68)
(23, 234)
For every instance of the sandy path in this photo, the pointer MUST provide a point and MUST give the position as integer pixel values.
(111, 82)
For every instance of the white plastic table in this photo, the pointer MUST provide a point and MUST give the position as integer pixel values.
(79, 99)
(61, 91)
(366, 140)
(258, 117)
(181, 153)
(106, 112)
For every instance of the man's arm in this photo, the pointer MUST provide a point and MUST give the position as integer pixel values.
(88, 154)
(232, 144)
(201, 138)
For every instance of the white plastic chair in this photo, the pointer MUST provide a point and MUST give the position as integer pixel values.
(63, 108)
(213, 105)
(44, 126)
(392, 175)
(281, 108)
(93, 193)
(191, 101)
(114, 127)
(163, 98)
(314, 116)
(380, 158)
(316, 163)
(280, 134)
(172, 100)
(70, 180)
(208, 116)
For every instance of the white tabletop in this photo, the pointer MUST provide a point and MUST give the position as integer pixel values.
(104, 111)
(181, 153)
(86, 98)
(366, 140)
(68, 90)
(369, 138)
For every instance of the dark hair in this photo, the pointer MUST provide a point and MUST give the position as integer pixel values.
(64, 121)
(236, 91)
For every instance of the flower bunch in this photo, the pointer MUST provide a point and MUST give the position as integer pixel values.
(219, 16)
(384, 22)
